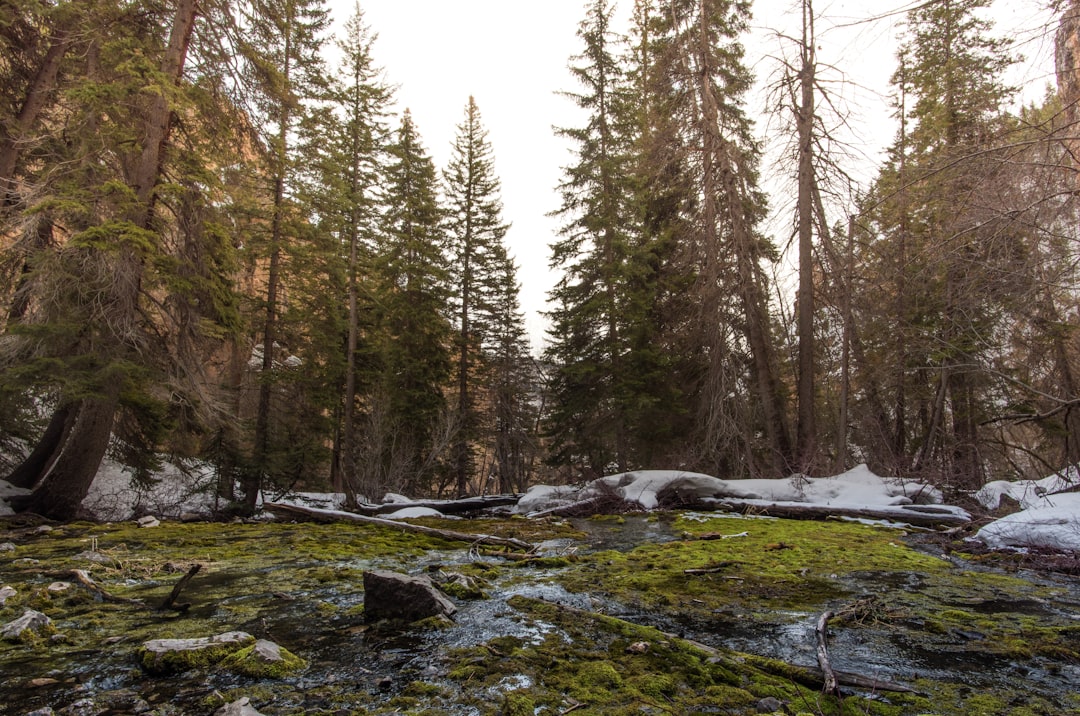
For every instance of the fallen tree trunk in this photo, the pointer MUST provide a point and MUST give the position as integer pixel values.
(917, 515)
(447, 507)
(316, 515)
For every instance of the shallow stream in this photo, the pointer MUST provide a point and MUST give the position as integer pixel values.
(947, 625)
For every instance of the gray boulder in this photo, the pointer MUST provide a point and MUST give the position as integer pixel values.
(390, 595)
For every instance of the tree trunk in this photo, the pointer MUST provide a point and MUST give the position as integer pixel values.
(61, 492)
(36, 97)
(806, 438)
(41, 458)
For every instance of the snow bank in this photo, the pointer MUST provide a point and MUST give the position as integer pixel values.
(408, 513)
(1055, 525)
(9, 490)
(856, 488)
(1028, 493)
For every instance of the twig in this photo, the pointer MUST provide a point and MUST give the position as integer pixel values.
(576, 705)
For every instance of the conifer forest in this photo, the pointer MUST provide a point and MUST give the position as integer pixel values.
(223, 241)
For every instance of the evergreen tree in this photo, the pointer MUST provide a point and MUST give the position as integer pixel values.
(91, 313)
(408, 405)
(475, 232)
(942, 245)
(588, 418)
(282, 49)
(722, 247)
(513, 384)
(352, 174)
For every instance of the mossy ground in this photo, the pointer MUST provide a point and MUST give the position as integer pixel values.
(300, 586)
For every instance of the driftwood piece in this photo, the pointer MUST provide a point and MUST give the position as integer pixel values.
(831, 687)
(87, 581)
(813, 674)
(447, 507)
(316, 515)
(170, 601)
(917, 515)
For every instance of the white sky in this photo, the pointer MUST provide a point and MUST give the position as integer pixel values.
(512, 56)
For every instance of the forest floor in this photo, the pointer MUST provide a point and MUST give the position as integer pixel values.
(608, 620)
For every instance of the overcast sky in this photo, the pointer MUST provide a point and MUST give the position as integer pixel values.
(512, 56)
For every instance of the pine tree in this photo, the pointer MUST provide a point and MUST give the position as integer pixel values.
(89, 312)
(283, 60)
(722, 247)
(357, 142)
(475, 231)
(414, 330)
(513, 384)
(588, 419)
(935, 230)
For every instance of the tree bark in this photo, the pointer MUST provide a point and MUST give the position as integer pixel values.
(806, 437)
(60, 493)
(37, 95)
(37, 463)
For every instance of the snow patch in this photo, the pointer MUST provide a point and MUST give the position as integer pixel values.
(1056, 526)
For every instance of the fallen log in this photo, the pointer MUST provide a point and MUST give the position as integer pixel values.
(447, 507)
(831, 686)
(917, 515)
(316, 515)
(813, 676)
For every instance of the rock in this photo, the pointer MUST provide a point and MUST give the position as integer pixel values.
(7, 547)
(58, 587)
(148, 521)
(82, 707)
(6, 593)
(264, 660)
(163, 656)
(47, 711)
(390, 595)
(638, 647)
(27, 627)
(96, 557)
(770, 704)
(241, 707)
(42, 529)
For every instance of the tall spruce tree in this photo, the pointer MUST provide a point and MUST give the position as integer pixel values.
(282, 48)
(89, 314)
(941, 242)
(353, 171)
(475, 231)
(723, 248)
(409, 403)
(588, 418)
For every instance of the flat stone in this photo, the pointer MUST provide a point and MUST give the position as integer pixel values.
(7, 546)
(391, 595)
(168, 655)
(6, 593)
(241, 707)
(148, 521)
(58, 587)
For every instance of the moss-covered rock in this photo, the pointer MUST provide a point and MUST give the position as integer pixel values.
(264, 660)
(164, 656)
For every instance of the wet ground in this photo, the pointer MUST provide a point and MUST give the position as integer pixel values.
(973, 639)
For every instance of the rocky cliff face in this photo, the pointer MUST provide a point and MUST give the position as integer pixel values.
(1067, 54)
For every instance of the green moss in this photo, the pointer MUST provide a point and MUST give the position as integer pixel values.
(518, 704)
(248, 662)
(190, 659)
